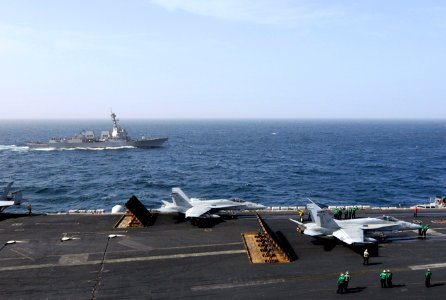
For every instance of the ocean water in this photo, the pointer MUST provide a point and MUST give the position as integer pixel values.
(276, 163)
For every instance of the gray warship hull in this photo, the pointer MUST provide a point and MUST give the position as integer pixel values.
(116, 138)
(144, 143)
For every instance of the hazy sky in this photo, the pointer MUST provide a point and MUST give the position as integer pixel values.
(222, 59)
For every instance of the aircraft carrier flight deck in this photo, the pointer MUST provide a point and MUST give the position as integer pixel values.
(83, 256)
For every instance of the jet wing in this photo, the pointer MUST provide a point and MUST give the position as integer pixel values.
(350, 235)
(197, 211)
(297, 222)
(6, 203)
(315, 233)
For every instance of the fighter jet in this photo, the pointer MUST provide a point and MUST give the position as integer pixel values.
(199, 208)
(351, 231)
(8, 198)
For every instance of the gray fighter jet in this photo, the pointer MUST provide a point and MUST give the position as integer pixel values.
(351, 231)
(199, 208)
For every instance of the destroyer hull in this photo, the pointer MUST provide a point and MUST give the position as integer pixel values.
(144, 143)
(116, 138)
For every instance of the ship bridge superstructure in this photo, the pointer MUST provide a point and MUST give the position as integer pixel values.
(117, 131)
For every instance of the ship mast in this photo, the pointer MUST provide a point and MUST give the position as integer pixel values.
(117, 132)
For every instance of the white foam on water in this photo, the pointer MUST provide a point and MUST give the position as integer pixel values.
(13, 148)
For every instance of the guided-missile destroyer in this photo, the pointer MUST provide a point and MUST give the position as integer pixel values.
(118, 137)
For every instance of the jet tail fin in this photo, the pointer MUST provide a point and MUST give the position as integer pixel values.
(313, 208)
(18, 197)
(6, 191)
(326, 220)
(180, 198)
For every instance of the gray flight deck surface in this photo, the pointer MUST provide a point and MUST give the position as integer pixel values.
(173, 259)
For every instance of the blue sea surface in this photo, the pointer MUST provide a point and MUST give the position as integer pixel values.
(276, 163)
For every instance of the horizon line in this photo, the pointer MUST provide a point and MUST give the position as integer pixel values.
(234, 119)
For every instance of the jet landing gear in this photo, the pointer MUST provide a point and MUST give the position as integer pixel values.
(205, 222)
(194, 221)
(201, 222)
(300, 229)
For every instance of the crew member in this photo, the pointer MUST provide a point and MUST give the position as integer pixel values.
(346, 281)
(382, 278)
(389, 278)
(338, 213)
(355, 208)
(366, 257)
(427, 277)
(301, 215)
(425, 227)
(341, 281)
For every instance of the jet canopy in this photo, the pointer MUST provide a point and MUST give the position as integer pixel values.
(238, 200)
(388, 218)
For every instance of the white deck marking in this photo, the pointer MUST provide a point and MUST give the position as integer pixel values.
(73, 259)
(20, 252)
(134, 245)
(186, 255)
(428, 266)
(234, 285)
(122, 260)
(196, 246)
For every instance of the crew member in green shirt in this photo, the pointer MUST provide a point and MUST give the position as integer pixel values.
(383, 277)
(344, 212)
(336, 213)
(428, 276)
(341, 282)
(355, 208)
(424, 230)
